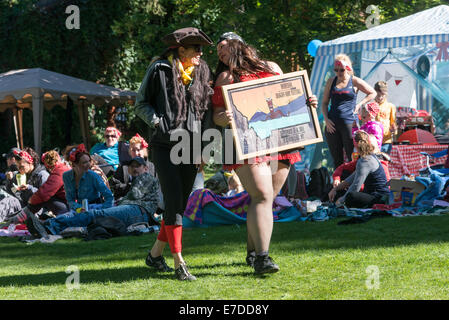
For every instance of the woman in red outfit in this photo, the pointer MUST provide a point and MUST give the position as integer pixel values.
(51, 194)
(262, 177)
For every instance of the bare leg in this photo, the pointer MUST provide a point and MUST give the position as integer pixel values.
(257, 181)
(158, 248)
(177, 257)
(249, 242)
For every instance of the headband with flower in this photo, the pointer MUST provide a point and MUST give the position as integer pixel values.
(142, 141)
(343, 64)
(80, 149)
(26, 156)
(372, 108)
(115, 130)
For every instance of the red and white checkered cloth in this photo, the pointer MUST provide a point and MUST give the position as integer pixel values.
(406, 159)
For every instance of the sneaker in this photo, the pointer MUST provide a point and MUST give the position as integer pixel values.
(264, 264)
(17, 217)
(250, 258)
(158, 263)
(34, 226)
(182, 273)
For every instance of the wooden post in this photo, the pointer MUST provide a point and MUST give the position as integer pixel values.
(18, 124)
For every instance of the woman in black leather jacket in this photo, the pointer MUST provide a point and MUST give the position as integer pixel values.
(175, 98)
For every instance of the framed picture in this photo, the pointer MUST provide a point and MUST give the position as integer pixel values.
(271, 114)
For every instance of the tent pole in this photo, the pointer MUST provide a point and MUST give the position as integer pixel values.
(38, 112)
(82, 114)
(15, 127)
(86, 125)
(20, 121)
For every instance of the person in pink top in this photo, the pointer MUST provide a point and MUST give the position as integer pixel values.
(368, 114)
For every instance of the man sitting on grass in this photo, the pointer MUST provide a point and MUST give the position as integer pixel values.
(138, 205)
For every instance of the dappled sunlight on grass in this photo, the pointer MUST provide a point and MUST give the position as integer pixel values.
(318, 261)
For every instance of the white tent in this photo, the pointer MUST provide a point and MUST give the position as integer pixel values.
(38, 88)
(401, 42)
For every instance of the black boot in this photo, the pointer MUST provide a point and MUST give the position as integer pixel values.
(250, 258)
(158, 263)
(34, 226)
(264, 264)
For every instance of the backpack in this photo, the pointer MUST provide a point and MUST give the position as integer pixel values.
(218, 183)
(319, 184)
(300, 191)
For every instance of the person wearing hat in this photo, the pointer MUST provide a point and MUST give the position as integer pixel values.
(51, 194)
(138, 205)
(175, 96)
(262, 177)
(12, 158)
(121, 181)
(9, 204)
(30, 177)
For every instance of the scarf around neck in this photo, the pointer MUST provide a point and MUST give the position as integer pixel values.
(186, 74)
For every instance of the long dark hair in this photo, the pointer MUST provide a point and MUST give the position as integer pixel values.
(243, 59)
(200, 90)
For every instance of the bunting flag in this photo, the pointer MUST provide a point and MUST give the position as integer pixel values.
(442, 53)
(388, 76)
(398, 80)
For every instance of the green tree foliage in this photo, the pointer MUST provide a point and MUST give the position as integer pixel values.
(117, 39)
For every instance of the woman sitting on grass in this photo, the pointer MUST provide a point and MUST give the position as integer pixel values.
(369, 172)
(82, 183)
(51, 195)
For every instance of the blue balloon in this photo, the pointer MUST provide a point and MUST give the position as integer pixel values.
(312, 47)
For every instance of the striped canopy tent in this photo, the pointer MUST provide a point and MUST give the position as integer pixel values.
(38, 88)
(391, 52)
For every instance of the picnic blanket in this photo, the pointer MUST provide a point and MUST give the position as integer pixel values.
(205, 208)
(406, 159)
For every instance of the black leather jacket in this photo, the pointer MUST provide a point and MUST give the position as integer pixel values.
(155, 103)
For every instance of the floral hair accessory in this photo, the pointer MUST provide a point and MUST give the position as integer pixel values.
(342, 64)
(372, 108)
(80, 149)
(26, 156)
(142, 141)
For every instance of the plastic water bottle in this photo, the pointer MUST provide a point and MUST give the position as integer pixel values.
(85, 205)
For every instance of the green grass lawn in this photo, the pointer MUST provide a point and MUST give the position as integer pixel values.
(318, 260)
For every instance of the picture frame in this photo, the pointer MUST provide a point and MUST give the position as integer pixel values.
(271, 115)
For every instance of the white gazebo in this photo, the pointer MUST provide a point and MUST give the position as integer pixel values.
(38, 88)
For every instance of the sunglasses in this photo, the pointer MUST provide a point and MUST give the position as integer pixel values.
(110, 136)
(339, 70)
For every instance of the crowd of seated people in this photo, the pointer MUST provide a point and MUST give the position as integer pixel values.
(55, 188)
